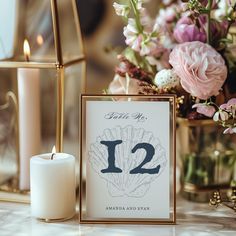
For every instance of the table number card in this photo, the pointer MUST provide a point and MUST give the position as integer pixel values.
(127, 159)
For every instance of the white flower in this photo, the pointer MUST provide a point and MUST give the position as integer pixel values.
(231, 2)
(121, 10)
(133, 39)
(221, 115)
(222, 10)
(166, 78)
(147, 47)
(159, 58)
(205, 109)
(230, 130)
(167, 2)
(166, 15)
(155, 62)
(231, 106)
(145, 20)
(140, 3)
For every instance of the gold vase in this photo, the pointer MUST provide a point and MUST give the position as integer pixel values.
(206, 158)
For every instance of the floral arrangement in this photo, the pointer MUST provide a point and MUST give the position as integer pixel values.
(188, 50)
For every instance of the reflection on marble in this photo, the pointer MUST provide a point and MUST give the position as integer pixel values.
(193, 219)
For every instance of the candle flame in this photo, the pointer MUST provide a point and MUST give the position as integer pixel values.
(26, 48)
(54, 149)
(40, 39)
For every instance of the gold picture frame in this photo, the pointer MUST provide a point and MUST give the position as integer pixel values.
(118, 132)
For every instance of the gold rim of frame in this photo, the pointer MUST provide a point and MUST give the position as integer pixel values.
(60, 108)
(56, 32)
(40, 65)
(82, 191)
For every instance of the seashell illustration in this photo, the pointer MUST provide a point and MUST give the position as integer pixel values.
(124, 183)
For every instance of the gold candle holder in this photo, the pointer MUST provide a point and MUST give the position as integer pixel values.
(52, 29)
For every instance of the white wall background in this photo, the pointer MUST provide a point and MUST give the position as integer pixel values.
(7, 27)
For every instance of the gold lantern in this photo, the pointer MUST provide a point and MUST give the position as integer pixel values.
(42, 73)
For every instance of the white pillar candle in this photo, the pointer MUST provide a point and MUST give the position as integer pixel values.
(29, 121)
(52, 185)
(29, 117)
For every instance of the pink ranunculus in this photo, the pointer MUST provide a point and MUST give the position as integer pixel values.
(120, 85)
(201, 68)
(187, 31)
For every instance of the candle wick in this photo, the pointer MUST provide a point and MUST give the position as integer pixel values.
(52, 155)
(27, 57)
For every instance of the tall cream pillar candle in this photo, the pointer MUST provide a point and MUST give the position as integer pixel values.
(52, 186)
(29, 119)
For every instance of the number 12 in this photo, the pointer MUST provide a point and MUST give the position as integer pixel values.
(150, 152)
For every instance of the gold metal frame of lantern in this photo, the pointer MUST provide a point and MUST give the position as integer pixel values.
(84, 218)
(6, 190)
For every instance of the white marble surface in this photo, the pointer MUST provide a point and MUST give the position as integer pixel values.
(192, 219)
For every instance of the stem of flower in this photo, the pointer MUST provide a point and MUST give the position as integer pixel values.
(228, 27)
(209, 6)
(136, 14)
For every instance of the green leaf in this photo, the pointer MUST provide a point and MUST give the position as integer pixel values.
(203, 11)
(138, 61)
(225, 40)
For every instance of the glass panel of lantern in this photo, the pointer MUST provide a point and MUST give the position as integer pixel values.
(42, 73)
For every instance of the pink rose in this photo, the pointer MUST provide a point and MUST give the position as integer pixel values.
(120, 85)
(201, 68)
